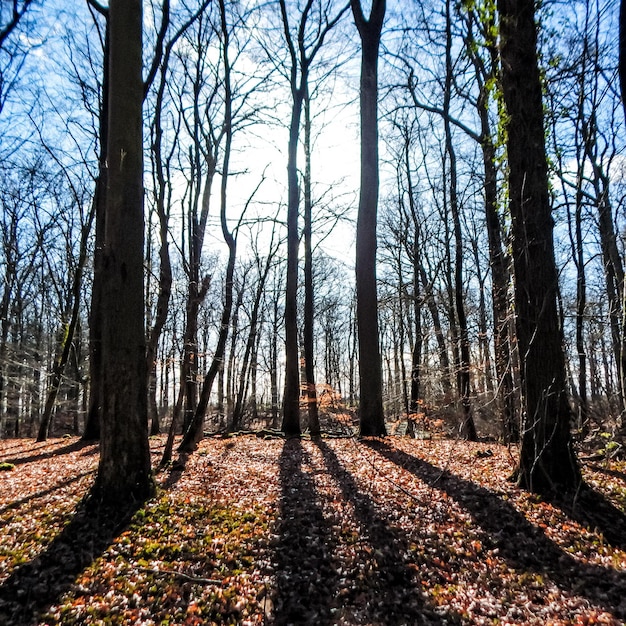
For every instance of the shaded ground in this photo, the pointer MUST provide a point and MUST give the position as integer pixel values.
(333, 531)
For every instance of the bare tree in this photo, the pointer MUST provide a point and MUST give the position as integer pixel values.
(371, 415)
(92, 423)
(622, 52)
(124, 473)
(547, 460)
(303, 49)
(11, 14)
(468, 429)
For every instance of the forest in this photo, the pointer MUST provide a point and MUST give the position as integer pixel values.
(312, 311)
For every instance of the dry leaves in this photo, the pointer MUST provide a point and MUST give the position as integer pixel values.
(333, 531)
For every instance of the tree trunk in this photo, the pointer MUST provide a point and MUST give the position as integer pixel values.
(309, 302)
(291, 395)
(124, 474)
(622, 52)
(194, 432)
(302, 51)
(613, 266)
(250, 344)
(371, 414)
(444, 358)
(547, 460)
(274, 409)
(92, 423)
(468, 428)
(499, 288)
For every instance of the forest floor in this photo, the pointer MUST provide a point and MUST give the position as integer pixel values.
(333, 531)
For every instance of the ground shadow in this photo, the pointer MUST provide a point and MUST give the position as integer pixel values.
(306, 576)
(66, 449)
(10, 444)
(33, 587)
(524, 545)
(607, 471)
(16, 504)
(392, 593)
(595, 511)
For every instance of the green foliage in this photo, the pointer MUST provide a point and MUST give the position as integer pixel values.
(611, 446)
(6, 467)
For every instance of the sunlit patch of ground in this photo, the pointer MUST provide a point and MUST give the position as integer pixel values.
(333, 531)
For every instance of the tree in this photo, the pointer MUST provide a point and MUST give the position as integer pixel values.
(194, 431)
(547, 460)
(162, 171)
(371, 416)
(263, 268)
(92, 424)
(480, 48)
(302, 52)
(622, 52)
(124, 473)
(462, 352)
(68, 329)
(309, 294)
(9, 23)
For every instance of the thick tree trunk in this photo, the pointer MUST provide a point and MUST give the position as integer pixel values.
(547, 460)
(371, 414)
(124, 473)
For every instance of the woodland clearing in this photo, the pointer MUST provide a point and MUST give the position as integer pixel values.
(328, 531)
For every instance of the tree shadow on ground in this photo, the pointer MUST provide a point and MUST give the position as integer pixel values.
(524, 545)
(33, 587)
(66, 449)
(16, 504)
(10, 444)
(306, 575)
(607, 471)
(390, 590)
(596, 512)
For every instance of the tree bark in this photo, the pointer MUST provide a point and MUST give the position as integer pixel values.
(291, 395)
(309, 300)
(371, 415)
(468, 428)
(124, 473)
(547, 461)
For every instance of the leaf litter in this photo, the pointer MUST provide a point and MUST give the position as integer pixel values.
(301, 531)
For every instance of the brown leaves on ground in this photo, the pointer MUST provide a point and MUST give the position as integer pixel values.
(333, 531)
